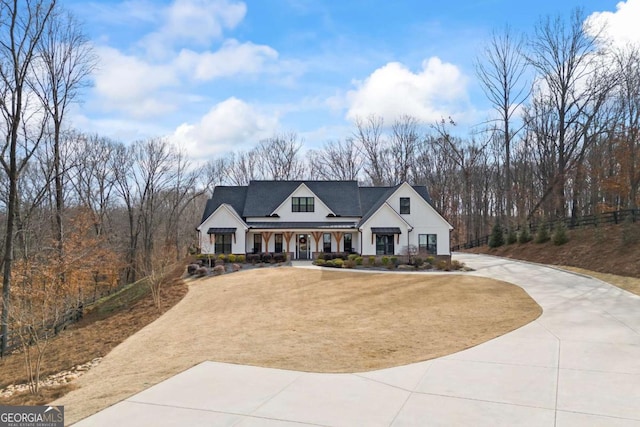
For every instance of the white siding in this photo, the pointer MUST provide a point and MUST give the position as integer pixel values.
(222, 218)
(384, 217)
(320, 209)
(423, 218)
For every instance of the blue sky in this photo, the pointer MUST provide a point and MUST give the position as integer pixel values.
(219, 75)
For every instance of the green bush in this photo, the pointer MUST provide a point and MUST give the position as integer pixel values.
(338, 262)
(231, 258)
(560, 235)
(320, 255)
(430, 260)
(497, 236)
(240, 258)
(394, 260)
(524, 236)
(352, 257)
(542, 235)
(320, 262)
(372, 260)
(417, 261)
(512, 237)
(385, 260)
(359, 260)
(330, 263)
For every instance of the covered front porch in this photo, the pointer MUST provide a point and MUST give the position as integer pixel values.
(303, 243)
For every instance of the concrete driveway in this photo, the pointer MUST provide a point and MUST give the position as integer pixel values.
(576, 365)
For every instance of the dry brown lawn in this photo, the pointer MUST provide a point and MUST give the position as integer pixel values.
(307, 320)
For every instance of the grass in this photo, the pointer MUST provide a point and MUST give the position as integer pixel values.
(307, 320)
(106, 324)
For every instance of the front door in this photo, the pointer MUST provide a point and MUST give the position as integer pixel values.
(303, 246)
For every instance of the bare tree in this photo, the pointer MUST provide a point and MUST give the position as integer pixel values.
(22, 27)
(567, 61)
(338, 159)
(501, 70)
(369, 135)
(279, 157)
(402, 149)
(64, 61)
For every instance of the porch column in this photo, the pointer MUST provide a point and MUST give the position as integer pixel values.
(338, 236)
(317, 235)
(287, 237)
(266, 235)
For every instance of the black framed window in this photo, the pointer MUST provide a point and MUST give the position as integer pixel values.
(302, 204)
(278, 240)
(326, 242)
(428, 244)
(405, 205)
(257, 243)
(348, 242)
(223, 244)
(384, 244)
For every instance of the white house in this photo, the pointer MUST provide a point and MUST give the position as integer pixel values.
(303, 218)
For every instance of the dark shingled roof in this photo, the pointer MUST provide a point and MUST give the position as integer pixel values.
(344, 198)
(232, 195)
(264, 197)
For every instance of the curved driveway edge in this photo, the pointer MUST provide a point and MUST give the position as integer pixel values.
(578, 364)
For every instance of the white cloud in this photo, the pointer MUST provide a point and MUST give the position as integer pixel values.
(621, 27)
(194, 22)
(437, 90)
(128, 83)
(231, 59)
(228, 125)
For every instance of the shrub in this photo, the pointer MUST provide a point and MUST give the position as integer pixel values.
(497, 236)
(457, 265)
(542, 236)
(443, 265)
(266, 257)
(330, 263)
(560, 235)
(385, 260)
(320, 262)
(359, 260)
(253, 258)
(524, 236)
(349, 263)
(222, 257)
(280, 257)
(240, 258)
(417, 261)
(512, 237)
(372, 260)
(218, 270)
(394, 260)
(231, 258)
(192, 268)
(338, 262)
(430, 260)
(321, 256)
(352, 257)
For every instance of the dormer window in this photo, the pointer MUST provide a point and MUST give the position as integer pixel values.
(405, 205)
(302, 204)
